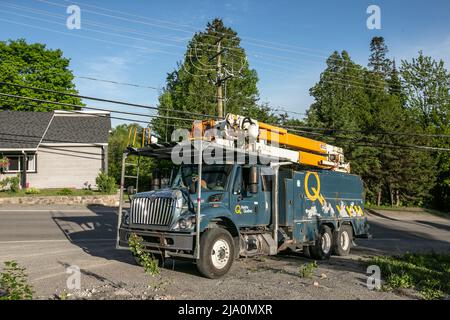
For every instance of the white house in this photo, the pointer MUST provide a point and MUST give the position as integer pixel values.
(58, 149)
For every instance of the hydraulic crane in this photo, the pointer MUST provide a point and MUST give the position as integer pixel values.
(252, 135)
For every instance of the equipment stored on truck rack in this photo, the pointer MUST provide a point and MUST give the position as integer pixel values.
(278, 191)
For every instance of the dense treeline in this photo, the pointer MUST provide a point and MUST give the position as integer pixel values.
(381, 115)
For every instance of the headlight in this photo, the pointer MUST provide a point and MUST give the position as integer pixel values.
(185, 223)
(125, 217)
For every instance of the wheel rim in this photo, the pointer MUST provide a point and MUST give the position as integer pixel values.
(326, 243)
(220, 253)
(345, 240)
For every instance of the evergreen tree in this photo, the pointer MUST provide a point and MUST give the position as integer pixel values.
(394, 82)
(378, 62)
(191, 86)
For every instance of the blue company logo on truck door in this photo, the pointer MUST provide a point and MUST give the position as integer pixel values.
(313, 193)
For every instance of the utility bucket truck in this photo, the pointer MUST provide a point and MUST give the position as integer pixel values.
(240, 187)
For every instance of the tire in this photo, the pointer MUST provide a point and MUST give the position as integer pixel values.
(322, 249)
(216, 253)
(342, 240)
(306, 252)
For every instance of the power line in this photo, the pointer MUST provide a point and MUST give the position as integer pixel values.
(91, 108)
(171, 110)
(71, 111)
(119, 83)
(258, 55)
(371, 85)
(369, 143)
(369, 133)
(104, 100)
(376, 143)
(252, 41)
(221, 34)
(176, 111)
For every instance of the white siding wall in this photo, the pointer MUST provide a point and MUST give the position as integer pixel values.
(66, 167)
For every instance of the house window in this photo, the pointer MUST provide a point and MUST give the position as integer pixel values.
(31, 163)
(15, 164)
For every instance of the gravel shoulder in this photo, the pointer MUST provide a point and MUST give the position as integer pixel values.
(48, 240)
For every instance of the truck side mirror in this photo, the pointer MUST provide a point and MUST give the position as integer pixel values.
(130, 190)
(156, 179)
(253, 179)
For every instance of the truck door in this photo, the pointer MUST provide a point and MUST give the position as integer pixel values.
(245, 205)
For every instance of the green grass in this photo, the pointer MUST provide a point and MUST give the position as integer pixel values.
(427, 273)
(50, 192)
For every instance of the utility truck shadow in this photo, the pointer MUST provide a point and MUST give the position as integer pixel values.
(94, 232)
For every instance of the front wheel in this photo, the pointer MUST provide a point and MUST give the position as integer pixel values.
(216, 253)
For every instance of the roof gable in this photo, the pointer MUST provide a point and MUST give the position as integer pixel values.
(22, 129)
(78, 128)
(25, 130)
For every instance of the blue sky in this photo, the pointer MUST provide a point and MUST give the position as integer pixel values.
(287, 42)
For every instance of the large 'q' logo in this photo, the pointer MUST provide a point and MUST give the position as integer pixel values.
(313, 193)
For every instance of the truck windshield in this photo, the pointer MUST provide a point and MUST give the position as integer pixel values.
(214, 177)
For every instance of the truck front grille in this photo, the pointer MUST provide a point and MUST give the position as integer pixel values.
(153, 211)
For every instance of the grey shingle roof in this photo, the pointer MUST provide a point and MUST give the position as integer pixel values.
(24, 130)
(78, 129)
(21, 129)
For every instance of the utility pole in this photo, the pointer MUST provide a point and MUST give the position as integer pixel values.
(219, 79)
(223, 74)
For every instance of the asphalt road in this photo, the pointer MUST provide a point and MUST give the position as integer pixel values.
(48, 240)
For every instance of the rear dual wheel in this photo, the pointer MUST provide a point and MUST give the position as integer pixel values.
(342, 240)
(331, 242)
(321, 250)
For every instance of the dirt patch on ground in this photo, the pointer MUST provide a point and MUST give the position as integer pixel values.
(251, 278)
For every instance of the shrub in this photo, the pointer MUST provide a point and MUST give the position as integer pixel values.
(3, 183)
(106, 183)
(12, 182)
(145, 259)
(14, 283)
(307, 270)
(65, 192)
(32, 191)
